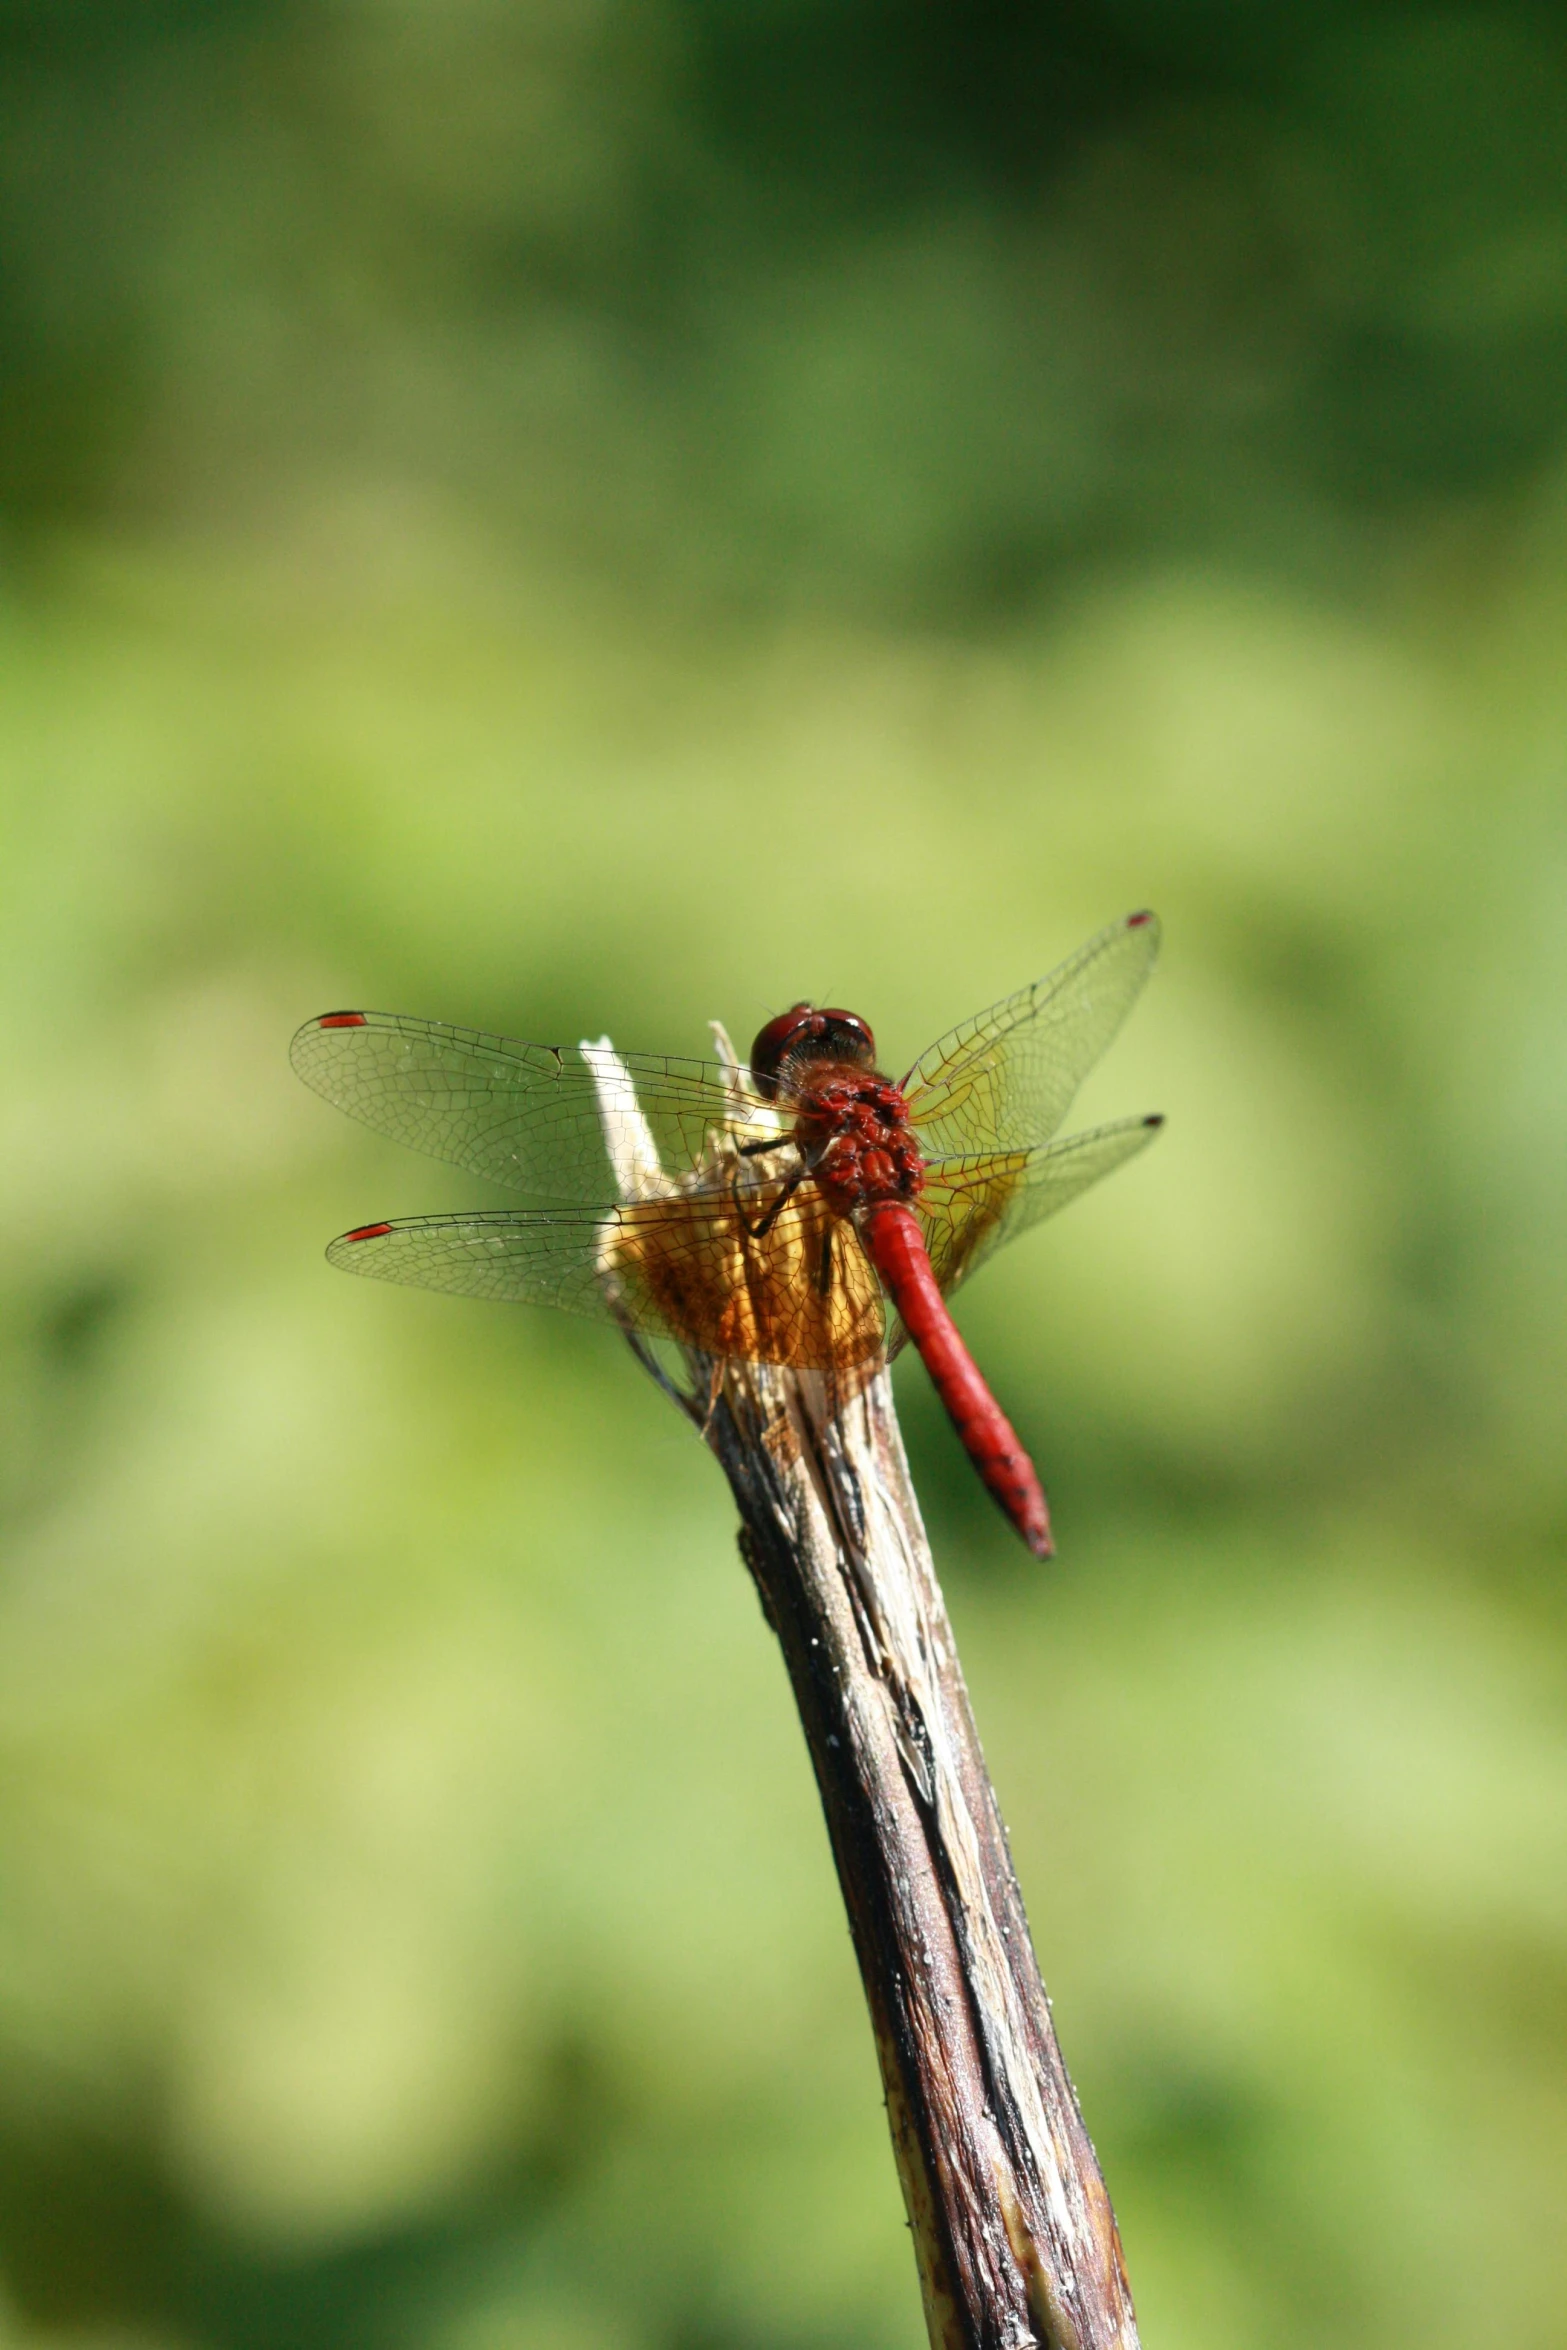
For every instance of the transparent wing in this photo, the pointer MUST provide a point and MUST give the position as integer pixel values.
(969, 1207)
(540, 1118)
(1005, 1080)
(686, 1268)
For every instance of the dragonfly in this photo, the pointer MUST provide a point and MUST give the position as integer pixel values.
(798, 1209)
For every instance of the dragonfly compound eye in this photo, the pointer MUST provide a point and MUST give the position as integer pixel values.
(805, 1034)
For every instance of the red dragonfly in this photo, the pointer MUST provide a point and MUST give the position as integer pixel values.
(799, 1209)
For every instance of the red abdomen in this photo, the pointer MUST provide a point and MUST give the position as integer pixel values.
(897, 1249)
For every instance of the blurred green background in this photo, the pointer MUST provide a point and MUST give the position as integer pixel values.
(584, 515)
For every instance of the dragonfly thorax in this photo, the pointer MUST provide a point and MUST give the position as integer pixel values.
(853, 1134)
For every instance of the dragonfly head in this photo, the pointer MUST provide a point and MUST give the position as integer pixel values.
(805, 1034)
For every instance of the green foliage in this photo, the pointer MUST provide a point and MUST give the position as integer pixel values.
(581, 520)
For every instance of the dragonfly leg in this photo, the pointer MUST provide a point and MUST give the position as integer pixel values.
(824, 1271)
(654, 1368)
(792, 1183)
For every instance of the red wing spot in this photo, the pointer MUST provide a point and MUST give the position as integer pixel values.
(1157, 1119)
(341, 1020)
(368, 1232)
(1138, 921)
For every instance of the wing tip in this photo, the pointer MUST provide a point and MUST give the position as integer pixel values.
(305, 1035)
(344, 1251)
(1154, 1120)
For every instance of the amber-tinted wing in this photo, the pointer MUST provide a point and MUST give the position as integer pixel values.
(684, 1268)
(970, 1206)
(535, 1117)
(1005, 1080)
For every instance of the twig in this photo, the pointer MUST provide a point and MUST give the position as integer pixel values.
(1013, 2230)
